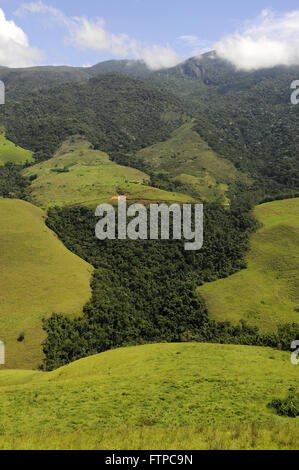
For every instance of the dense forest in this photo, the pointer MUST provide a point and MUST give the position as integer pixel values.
(12, 183)
(115, 112)
(23, 81)
(145, 291)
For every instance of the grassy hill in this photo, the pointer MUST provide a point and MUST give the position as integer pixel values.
(38, 276)
(9, 152)
(267, 292)
(77, 174)
(186, 158)
(163, 395)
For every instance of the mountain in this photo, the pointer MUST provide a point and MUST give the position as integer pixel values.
(20, 82)
(116, 113)
(246, 117)
(195, 68)
(134, 68)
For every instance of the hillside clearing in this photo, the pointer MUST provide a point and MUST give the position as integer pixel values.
(9, 152)
(79, 175)
(267, 292)
(186, 158)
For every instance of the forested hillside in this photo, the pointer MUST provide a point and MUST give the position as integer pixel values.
(20, 82)
(144, 291)
(246, 117)
(115, 112)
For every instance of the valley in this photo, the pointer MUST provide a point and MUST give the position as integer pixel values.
(138, 343)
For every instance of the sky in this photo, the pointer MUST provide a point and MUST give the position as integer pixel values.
(163, 33)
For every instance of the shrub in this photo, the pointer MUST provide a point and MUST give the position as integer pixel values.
(288, 406)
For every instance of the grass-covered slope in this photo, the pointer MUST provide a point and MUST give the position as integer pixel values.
(187, 159)
(267, 292)
(38, 276)
(77, 174)
(197, 386)
(9, 152)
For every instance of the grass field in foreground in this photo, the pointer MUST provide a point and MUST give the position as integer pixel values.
(230, 437)
(38, 276)
(185, 157)
(221, 389)
(77, 174)
(9, 152)
(267, 292)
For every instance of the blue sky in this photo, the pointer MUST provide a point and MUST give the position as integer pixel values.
(160, 32)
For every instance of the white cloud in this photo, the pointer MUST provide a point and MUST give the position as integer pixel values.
(15, 50)
(86, 34)
(40, 7)
(273, 39)
(157, 57)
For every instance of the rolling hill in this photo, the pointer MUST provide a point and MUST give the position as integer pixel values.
(267, 292)
(77, 174)
(173, 396)
(187, 159)
(9, 152)
(38, 276)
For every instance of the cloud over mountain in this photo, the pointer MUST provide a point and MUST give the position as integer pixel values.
(88, 34)
(273, 39)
